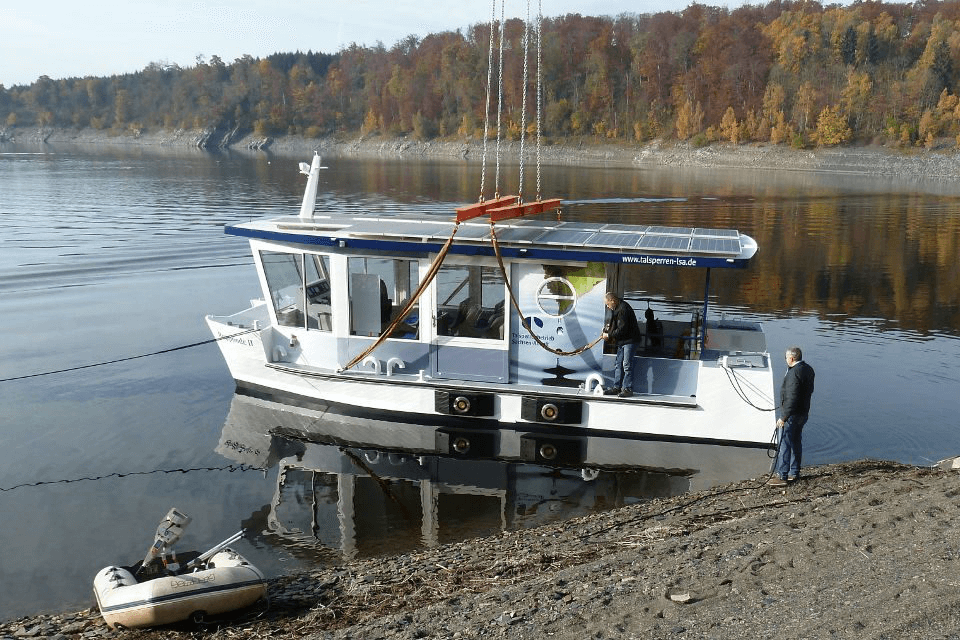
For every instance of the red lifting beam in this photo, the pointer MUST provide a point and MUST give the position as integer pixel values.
(526, 209)
(478, 209)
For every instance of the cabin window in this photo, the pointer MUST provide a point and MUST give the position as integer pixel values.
(283, 273)
(317, 268)
(379, 290)
(470, 301)
(563, 285)
(556, 296)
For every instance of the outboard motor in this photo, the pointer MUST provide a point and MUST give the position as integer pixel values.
(168, 532)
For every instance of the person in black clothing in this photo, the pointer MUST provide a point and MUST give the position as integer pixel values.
(654, 330)
(795, 393)
(623, 331)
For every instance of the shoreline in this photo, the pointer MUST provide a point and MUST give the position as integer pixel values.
(851, 550)
(940, 163)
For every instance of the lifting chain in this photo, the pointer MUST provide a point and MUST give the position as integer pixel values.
(523, 100)
(486, 113)
(496, 181)
(539, 88)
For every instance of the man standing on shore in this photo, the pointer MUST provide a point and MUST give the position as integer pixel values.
(795, 393)
(624, 332)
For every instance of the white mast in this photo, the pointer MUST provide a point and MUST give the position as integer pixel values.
(310, 193)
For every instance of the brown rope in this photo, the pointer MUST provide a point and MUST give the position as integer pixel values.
(516, 305)
(431, 274)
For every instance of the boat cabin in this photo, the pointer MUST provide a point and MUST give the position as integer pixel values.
(336, 284)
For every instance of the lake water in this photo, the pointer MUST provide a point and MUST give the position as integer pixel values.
(112, 253)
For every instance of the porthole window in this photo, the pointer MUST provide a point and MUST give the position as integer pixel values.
(556, 297)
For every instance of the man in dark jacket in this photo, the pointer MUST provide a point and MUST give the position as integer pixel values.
(624, 332)
(795, 393)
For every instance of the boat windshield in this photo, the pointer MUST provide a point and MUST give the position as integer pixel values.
(297, 300)
(284, 274)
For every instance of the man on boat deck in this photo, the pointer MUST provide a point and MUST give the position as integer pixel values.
(624, 332)
(795, 393)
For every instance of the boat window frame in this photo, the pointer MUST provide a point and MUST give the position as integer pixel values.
(412, 275)
(324, 262)
(273, 292)
(501, 342)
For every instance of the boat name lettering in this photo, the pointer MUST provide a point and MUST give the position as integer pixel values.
(192, 581)
(670, 261)
(247, 342)
(239, 447)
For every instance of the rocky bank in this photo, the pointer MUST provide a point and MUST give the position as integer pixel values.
(940, 163)
(869, 549)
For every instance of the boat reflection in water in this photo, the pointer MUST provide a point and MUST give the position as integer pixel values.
(349, 488)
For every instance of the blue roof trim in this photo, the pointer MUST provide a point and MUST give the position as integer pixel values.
(398, 246)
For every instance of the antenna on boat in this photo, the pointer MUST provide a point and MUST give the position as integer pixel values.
(310, 193)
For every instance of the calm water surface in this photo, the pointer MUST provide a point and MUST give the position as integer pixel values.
(116, 253)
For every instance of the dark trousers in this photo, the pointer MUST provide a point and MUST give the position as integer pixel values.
(790, 450)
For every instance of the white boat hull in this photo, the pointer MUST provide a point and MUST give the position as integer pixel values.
(717, 415)
(230, 583)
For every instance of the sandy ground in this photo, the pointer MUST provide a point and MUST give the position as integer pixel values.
(857, 550)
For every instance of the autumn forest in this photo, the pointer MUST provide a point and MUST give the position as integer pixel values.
(792, 73)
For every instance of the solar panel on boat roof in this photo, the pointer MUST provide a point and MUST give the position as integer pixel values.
(673, 231)
(565, 237)
(520, 234)
(724, 242)
(664, 242)
(629, 228)
(563, 225)
(616, 240)
(401, 228)
(727, 246)
(581, 226)
(717, 233)
(473, 231)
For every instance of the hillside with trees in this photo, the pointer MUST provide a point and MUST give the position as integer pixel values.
(792, 73)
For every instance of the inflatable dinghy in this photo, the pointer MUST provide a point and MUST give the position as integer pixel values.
(161, 591)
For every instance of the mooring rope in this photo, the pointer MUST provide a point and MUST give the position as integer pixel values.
(142, 355)
(737, 385)
(230, 468)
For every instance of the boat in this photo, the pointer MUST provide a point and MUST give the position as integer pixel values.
(164, 589)
(490, 321)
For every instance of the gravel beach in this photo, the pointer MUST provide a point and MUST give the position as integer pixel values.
(869, 549)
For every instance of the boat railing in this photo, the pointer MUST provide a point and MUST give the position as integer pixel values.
(256, 316)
